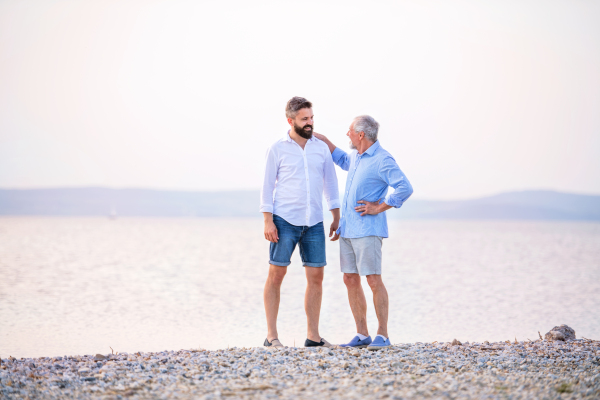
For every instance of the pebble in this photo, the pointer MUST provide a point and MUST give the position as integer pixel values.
(518, 370)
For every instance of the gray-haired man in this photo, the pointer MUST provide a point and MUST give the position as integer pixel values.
(371, 170)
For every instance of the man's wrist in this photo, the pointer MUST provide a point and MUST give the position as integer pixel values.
(383, 207)
(329, 144)
(335, 213)
(268, 217)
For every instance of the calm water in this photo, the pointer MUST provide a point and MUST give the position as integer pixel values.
(79, 285)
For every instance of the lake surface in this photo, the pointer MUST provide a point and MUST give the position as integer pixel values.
(82, 285)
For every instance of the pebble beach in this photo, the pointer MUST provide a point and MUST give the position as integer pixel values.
(539, 369)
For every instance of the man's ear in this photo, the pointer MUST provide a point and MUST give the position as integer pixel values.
(290, 121)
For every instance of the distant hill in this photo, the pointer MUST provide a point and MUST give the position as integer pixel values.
(128, 202)
(538, 204)
(541, 205)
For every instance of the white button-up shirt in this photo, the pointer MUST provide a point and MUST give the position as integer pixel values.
(295, 181)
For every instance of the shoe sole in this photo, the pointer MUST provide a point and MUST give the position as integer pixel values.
(333, 346)
(375, 348)
(354, 347)
(327, 345)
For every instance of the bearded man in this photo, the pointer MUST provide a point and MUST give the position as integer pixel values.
(299, 170)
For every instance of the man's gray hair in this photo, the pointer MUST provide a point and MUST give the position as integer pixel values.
(296, 104)
(368, 125)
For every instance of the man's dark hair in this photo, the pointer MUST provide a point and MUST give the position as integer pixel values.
(296, 104)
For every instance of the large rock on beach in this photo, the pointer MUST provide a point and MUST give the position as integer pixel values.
(562, 332)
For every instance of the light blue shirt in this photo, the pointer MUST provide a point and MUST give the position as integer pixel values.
(369, 176)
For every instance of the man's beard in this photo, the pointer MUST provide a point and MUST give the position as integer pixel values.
(303, 133)
(353, 147)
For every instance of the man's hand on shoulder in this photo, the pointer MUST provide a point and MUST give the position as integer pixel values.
(319, 136)
(371, 207)
(324, 139)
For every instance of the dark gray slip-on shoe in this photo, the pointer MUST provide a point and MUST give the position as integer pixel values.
(322, 343)
(273, 343)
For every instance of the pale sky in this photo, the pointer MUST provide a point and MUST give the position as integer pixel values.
(474, 98)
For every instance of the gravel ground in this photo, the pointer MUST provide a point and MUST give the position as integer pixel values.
(518, 370)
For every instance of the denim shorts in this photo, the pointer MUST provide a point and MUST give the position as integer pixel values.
(310, 239)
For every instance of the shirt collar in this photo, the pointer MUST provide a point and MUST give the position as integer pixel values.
(372, 149)
(289, 139)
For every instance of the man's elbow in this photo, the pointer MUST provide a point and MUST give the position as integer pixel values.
(409, 190)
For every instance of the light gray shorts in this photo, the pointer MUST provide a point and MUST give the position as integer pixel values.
(361, 255)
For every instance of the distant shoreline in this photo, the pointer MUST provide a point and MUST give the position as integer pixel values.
(115, 203)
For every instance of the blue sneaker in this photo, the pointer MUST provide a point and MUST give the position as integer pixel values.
(379, 343)
(357, 343)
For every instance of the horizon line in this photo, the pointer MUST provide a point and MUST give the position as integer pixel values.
(258, 190)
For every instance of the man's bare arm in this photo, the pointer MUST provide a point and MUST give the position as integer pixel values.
(270, 228)
(335, 224)
(327, 141)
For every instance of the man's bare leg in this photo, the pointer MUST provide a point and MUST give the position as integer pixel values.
(358, 303)
(380, 299)
(312, 301)
(271, 298)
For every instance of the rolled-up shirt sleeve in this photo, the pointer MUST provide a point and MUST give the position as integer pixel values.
(341, 158)
(269, 179)
(330, 183)
(395, 178)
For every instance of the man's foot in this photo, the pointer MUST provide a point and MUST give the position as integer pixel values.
(357, 343)
(273, 343)
(379, 343)
(322, 343)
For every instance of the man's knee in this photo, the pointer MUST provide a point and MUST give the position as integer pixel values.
(352, 280)
(314, 275)
(375, 282)
(276, 274)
